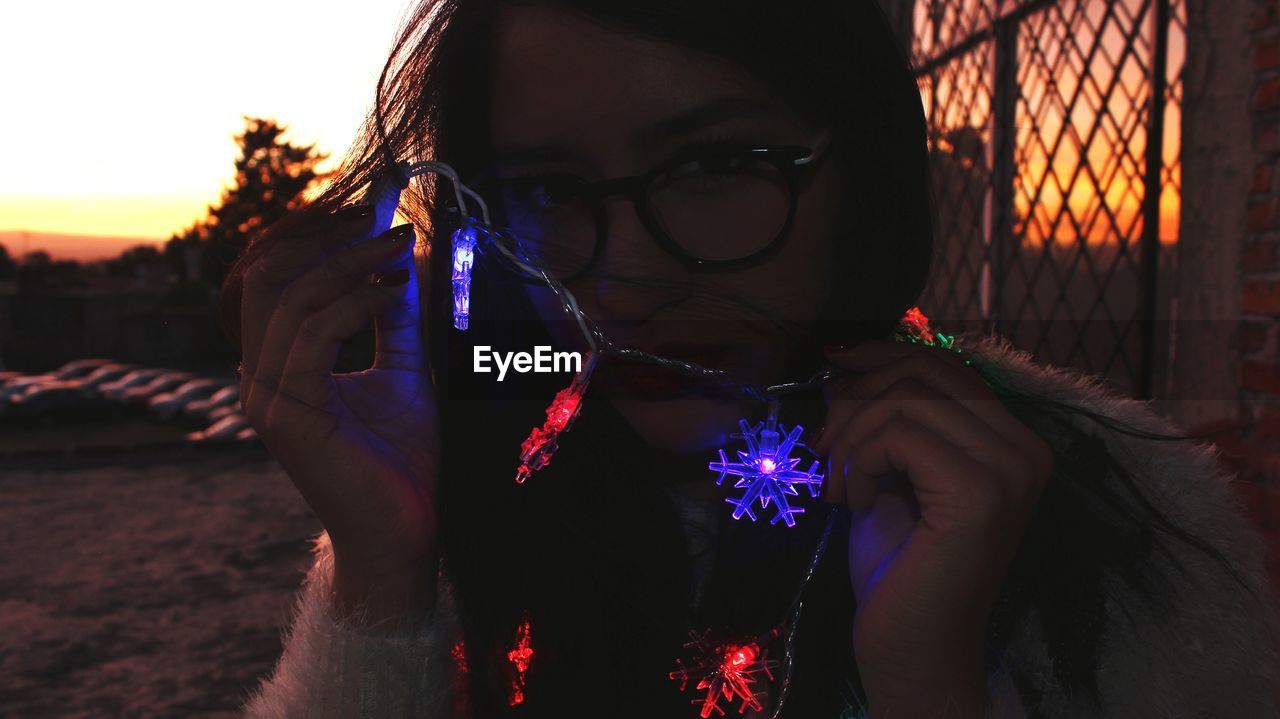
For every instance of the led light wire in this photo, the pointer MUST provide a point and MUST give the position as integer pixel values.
(797, 605)
(601, 346)
(598, 343)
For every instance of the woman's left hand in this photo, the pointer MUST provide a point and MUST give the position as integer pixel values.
(942, 481)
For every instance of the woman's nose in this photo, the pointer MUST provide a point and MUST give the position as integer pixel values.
(634, 277)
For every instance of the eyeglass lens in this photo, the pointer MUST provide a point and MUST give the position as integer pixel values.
(717, 208)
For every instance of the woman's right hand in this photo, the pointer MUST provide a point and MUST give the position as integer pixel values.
(362, 447)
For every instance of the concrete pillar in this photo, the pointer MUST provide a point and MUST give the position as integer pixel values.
(1217, 160)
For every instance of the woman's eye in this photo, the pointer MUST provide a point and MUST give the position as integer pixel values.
(710, 166)
(538, 197)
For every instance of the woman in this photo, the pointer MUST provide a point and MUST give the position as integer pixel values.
(1005, 539)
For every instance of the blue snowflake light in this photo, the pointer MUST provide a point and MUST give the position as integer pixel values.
(767, 471)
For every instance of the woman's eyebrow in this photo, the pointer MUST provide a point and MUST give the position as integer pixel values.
(702, 116)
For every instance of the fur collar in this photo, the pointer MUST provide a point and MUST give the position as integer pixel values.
(1211, 649)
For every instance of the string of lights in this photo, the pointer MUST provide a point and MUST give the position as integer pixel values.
(765, 469)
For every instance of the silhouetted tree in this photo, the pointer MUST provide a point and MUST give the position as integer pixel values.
(271, 175)
(8, 267)
(39, 269)
(36, 260)
(135, 260)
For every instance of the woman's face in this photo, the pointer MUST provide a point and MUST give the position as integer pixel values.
(571, 95)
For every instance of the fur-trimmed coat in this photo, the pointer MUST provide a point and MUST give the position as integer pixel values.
(1214, 652)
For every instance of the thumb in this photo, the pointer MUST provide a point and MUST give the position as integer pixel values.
(878, 534)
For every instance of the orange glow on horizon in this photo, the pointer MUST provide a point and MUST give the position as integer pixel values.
(120, 116)
(144, 163)
(1080, 108)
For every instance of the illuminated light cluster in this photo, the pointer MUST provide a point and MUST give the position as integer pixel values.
(464, 255)
(537, 448)
(767, 471)
(458, 678)
(917, 325)
(519, 656)
(914, 327)
(724, 671)
(458, 652)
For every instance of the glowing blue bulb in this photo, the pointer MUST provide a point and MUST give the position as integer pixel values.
(767, 471)
(464, 249)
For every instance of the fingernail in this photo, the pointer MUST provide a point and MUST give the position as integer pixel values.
(398, 234)
(394, 278)
(353, 212)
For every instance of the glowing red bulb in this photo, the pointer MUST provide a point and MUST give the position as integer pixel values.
(726, 672)
(458, 652)
(918, 325)
(741, 657)
(537, 448)
(519, 656)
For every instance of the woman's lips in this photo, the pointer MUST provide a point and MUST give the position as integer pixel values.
(651, 382)
(648, 381)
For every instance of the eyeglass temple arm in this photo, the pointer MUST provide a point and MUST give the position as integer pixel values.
(817, 145)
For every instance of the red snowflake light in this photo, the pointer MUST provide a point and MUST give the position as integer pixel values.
(725, 671)
(519, 657)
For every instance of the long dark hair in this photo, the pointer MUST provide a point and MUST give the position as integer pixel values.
(591, 550)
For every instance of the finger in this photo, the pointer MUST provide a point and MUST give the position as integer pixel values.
(884, 363)
(856, 492)
(886, 523)
(317, 288)
(872, 353)
(833, 490)
(308, 373)
(924, 406)
(912, 400)
(846, 485)
(868, 357)
(843, 395)
(398, 332)
(307, 240)
(953, 489)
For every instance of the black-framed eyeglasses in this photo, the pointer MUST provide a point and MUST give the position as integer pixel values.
(720, 206)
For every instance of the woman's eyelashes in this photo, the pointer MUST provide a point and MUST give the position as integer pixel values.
(716, 141)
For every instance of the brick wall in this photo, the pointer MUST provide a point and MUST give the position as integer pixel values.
(1251, 445)
(1260, 254)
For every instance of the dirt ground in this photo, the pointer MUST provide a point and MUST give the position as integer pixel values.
(151, 584)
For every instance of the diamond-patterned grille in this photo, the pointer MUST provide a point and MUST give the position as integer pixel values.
(1041, 114)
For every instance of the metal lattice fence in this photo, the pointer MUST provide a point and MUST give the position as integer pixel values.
(1049, 121)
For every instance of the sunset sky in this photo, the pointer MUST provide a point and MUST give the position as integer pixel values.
(118, 117)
